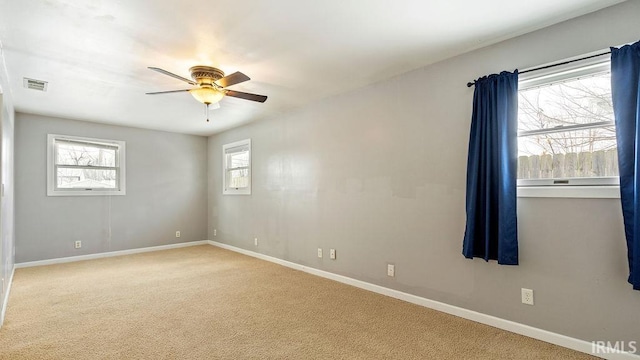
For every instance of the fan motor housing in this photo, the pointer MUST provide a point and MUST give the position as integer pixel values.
(205, 74)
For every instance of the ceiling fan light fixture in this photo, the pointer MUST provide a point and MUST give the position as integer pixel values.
(207, 95)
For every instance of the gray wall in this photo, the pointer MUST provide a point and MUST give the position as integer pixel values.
(379, 174)
(7, 238)
(166, 191)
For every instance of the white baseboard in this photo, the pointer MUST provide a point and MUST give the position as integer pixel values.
(108, 254)
(5, 301)
(526, 330)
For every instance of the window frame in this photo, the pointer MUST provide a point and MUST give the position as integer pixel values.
(52, 176)
(594, 187)
(225, 169)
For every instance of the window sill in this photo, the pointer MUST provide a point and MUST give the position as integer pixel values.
(85, 193)
(236, 193)
(587, 192)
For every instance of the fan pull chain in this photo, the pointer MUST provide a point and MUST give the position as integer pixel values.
(206, 110)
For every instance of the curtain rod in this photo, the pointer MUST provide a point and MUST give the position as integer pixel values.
(470, 84)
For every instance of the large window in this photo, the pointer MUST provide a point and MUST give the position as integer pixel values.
(85, 166)
(566, 130)
(237, 167)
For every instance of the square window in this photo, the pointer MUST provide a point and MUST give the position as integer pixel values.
(85, 166)
(566, 128)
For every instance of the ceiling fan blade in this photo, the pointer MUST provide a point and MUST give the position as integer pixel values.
(167, 92)
(161, 71)
(246, 96)
(232, 79)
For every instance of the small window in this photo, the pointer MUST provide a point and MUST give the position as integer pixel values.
(237, 168)
(566, 129)
(85, 166)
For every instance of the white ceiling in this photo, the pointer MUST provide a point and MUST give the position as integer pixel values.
(95, 53)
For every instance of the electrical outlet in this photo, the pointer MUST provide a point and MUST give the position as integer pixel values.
(320, 252)
(177, 233)
(391, 270)
(332, 254)
(255, 241)
(215, 232)
(527, 296)
(78, 244)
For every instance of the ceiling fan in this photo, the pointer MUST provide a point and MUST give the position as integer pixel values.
(211, 85)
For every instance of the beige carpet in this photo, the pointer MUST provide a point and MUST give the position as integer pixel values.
(207, 303)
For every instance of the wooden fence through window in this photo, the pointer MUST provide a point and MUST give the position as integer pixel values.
(584, 164)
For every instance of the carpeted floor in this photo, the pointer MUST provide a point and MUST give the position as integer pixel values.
(203, 302)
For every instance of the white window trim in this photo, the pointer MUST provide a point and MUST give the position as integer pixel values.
(235, 191)
(51, 179)
(607, 188)
(579, 192)
(576, 70)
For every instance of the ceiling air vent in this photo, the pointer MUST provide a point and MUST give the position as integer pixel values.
(35, 84)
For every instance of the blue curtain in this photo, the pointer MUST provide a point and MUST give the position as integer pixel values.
(625, 87)
(492, 231)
